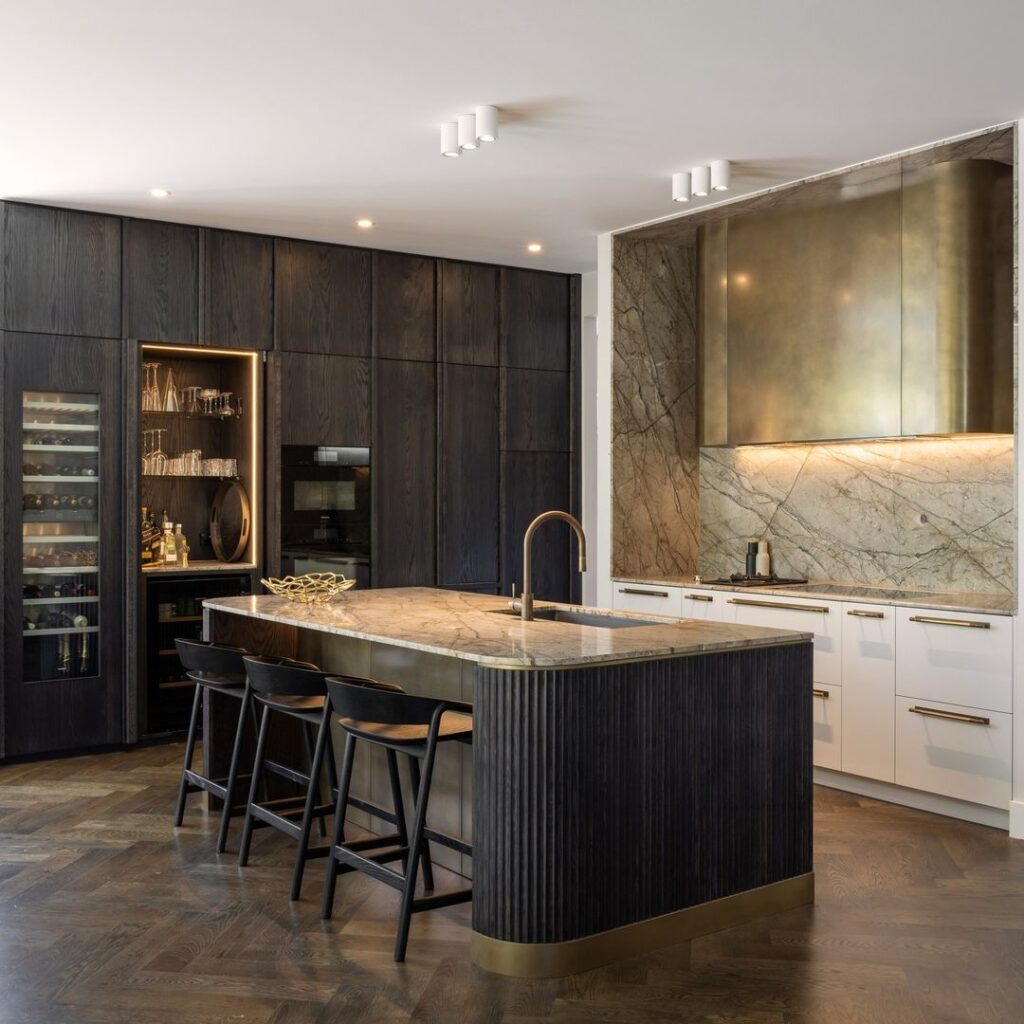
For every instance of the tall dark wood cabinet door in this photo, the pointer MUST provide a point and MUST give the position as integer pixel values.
(321, 298)
(404, 317)
(161, 281)
(469, 313)
(535, 410)
(61, 271)
(63, 543)
(535, 330)
(468, 476)
(403, 464)
(238, 290)
(325, 400)
(531, 483)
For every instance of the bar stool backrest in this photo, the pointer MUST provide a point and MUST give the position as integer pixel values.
(272, 676)
(380, 704)
(210, 657)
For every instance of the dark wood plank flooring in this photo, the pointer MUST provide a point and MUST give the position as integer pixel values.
(108, 914)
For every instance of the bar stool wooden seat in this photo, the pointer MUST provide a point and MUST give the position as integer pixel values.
(414, 726)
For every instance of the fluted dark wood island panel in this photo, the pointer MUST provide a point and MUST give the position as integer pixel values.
(631, 787)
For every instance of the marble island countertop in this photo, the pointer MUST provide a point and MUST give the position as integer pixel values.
(463, 625)
(993, 604)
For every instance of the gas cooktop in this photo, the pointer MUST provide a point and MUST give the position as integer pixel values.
(740, 580)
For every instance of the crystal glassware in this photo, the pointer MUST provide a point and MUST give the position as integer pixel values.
(172, 400)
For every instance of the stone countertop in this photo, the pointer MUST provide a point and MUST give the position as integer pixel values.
(992, 604)
(463, 625)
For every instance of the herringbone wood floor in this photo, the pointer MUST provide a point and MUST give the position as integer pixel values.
(110, 915)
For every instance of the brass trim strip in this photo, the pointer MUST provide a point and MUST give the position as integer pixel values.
(935, 620)
(823, 694)
(956, 716)
(865, 615)
(644, 593)
(698, 597)
(779, 604)
(558, 959)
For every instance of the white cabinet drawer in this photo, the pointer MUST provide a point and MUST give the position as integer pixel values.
(822, 618)
(955, 658)
(869, 690)
(957, 751)
(707, 604)
(648, 597)
(827, 712)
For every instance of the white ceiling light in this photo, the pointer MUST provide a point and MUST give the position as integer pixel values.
(450, 139)
(535, 247)
(681, 186)
(701, 179)
(160, 193)
(720, 175)
(467, 131)
(364, 223)
(487, 124)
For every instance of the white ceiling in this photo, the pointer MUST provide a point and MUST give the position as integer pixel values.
(297, 118)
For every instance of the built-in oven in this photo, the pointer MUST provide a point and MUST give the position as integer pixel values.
(325, 510)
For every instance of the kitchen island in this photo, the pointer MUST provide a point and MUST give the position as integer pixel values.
(634, 782)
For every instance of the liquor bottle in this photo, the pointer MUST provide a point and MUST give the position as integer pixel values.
(181, 542)
(170, 545)
(149, 534)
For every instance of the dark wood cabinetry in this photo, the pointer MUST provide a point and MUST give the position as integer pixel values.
(535, 331)
(535, 410)
(61, 271)
(404, 472)
(237, 290)
(469, 465)
(468, 317)
(322, 298)
(324, 399)
(161, 281)
(404, 320)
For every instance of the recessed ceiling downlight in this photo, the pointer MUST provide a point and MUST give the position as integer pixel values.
(535, 247)
(364, 223)
(160, 193)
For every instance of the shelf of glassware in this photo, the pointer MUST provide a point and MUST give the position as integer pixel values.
(60, 536)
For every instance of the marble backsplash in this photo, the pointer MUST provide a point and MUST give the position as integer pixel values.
(934, 514)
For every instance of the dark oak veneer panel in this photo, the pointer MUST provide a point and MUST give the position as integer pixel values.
(161, 281)
(61, 271)
(404, 473)
(404, 318)
(322, 298)
(324, 399)
(534, 320)
(238, 290)
(468, 313)
(535, 410)
(469, 468)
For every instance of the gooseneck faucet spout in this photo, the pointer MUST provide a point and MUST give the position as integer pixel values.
(524, 603)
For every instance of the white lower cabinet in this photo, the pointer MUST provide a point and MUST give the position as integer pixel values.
(648, 597)
(827, 705)
(958, 751)
(869, 691)
(706, 604)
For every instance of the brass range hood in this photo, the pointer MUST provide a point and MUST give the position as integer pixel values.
(878, 306)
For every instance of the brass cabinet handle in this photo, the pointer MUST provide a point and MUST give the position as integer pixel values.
(823, 694)
(936, 621)
(778, 604)
(956, 716)
(865, 615)
(698, 597)
(646, 593)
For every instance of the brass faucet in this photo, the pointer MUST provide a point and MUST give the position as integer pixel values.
(524, 603)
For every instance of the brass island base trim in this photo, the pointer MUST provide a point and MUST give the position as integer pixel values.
(558, 959)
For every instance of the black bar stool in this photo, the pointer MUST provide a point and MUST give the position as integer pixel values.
(414, 726)
(210, 666)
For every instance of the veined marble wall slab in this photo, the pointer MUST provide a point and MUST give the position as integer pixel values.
(654, 449)
(919, 513)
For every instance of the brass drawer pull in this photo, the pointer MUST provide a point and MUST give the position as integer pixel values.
(645, 593)
(865, 615)
(775, 604)
(956, 716)
(823, 694)
(937, 621)
(698, 597)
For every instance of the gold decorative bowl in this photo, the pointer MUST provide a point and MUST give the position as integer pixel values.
(313, 588)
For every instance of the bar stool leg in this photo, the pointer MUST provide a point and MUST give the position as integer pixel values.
(415, 847)
(428, 864)
(257, 772)
(236, 756)
(338, 833)
(312, 799)
(396, 797)
(190, 747)
(310, 744)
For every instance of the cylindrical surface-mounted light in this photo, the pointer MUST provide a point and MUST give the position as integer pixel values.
(681, 186)
(701, 180)
(487, 124)
(467, 131)
(450, 139)
(720, 175)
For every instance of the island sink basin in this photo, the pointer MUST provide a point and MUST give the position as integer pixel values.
(597, 619)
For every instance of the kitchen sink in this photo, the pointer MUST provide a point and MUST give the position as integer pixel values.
(598, 620)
